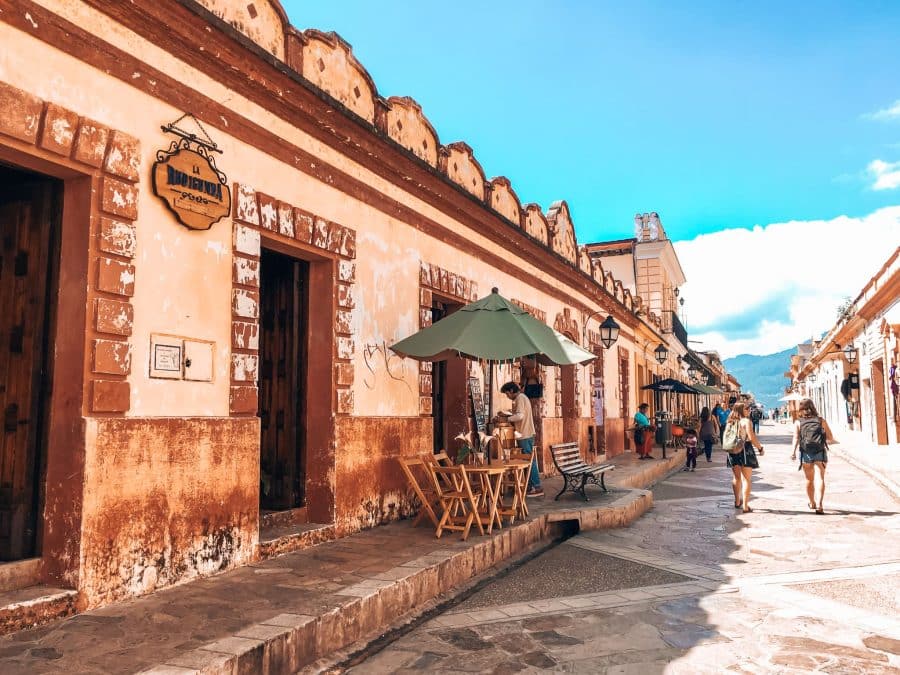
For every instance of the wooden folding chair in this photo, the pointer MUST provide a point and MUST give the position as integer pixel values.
(458, 505)
(427, 495)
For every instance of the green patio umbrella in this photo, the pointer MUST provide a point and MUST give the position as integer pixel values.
(492, 329)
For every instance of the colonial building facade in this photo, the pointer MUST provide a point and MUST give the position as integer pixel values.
(213, 229)
(851, 373)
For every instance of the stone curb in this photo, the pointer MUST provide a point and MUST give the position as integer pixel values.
(287, 642)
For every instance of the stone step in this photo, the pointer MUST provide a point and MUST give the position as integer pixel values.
(33, 606)
(19, 574)
(276, 540)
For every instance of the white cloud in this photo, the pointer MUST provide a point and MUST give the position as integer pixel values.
(887, 174)
(892, 112)
(763, 290)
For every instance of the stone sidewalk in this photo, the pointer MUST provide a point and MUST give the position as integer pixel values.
(694, 587)
(881, 462)
(281, 614)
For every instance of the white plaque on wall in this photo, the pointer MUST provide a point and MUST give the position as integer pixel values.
(166, 357)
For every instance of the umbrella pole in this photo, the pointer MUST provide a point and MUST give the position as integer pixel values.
(490, 403)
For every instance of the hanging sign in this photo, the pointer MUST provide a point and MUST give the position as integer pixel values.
(185, 177)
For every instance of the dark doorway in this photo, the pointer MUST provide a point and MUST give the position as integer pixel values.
(30, 208)
(284, 298)
(448, 389)
(569, 404)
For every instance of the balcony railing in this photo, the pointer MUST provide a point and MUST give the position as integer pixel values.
(672, 324)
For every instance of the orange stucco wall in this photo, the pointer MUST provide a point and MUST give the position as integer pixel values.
(166, 501)
(170, 489)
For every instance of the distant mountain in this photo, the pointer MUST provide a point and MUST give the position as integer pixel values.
(762, 375)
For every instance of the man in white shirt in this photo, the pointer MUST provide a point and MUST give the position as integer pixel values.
(523, 422)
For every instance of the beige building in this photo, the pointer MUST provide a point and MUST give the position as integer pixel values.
(648, 266)
(214, 227)
(851, 373)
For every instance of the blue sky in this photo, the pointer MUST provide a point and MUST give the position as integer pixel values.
(714, 114)
(717, 115)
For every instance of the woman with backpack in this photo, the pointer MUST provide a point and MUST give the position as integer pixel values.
(812, 436)
(709, 431)
(739, 440)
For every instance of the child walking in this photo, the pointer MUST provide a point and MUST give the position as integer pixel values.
(690, 446)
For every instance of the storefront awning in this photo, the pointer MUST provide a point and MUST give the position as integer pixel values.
(707, 389)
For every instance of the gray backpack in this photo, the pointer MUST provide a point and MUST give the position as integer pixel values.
(812, 436)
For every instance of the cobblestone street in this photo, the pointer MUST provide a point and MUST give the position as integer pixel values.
(694, 586)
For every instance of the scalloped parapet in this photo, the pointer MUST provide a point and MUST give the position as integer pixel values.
(609, 283)
(329, 63)
(407, 125)
(458, 162)
(584, 261)
(503, 199)
(263, 21)
(563, 231)
(535, 224)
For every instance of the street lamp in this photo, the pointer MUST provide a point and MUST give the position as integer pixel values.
(812, 378)
(661, 353)
(850, 353)
(609, 329)
(609, 332)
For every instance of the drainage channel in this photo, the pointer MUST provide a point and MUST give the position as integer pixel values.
(354, 656)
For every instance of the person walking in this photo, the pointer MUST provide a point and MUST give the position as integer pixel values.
(740, 440)
(812, 436)
(690, 447)
(709, 431)
(721, 414)
(643, 432)
(523, 422)
(755, 417)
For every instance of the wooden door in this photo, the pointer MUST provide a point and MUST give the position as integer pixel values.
(449, 395)
(879, 402)
(624, 393)
(569, 404)
(283, 288)
(29, 209)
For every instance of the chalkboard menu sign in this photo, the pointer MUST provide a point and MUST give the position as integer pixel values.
(477, 404)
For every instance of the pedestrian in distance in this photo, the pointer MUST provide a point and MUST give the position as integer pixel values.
(755, 417)
(739, 440)
(523, 422)
(721, 414)
(643, 432)
(690, 447)
(709, 431)
(812, 436)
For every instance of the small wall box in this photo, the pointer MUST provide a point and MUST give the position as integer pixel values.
(175, 358)
(198, 360)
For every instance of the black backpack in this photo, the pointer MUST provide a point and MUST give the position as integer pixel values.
(812, 435)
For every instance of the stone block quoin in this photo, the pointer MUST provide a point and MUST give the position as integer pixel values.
(255, 212)
(113, 159)
(435, 280)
